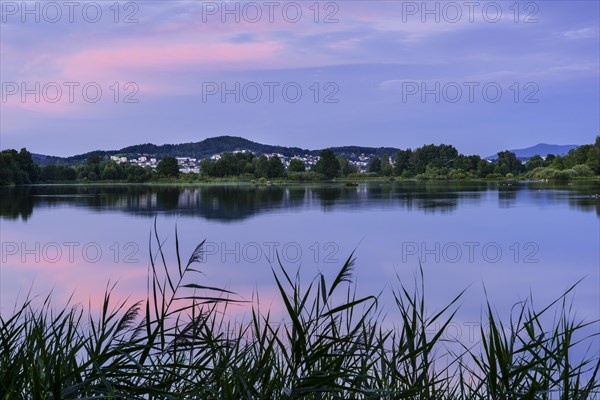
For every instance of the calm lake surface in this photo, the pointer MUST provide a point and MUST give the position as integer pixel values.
(509, 239)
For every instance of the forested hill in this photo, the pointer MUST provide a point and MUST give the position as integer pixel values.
(209, 147)
(541, 149)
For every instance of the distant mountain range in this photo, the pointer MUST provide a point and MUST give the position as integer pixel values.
(541, 149)
(221, 144)
(209, 147)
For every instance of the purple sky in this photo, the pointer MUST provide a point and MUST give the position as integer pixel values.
(374, 73)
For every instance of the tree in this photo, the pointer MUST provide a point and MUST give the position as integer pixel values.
(229, 164)
(27, 165)
(261, 167)
(578, 155)
(276, 169)
(66, 173)
(18, 167)
(346, 168)
(484, 168)
(9, 168)
(558, 162)
(109, 172)
(168, 166)
(508, 163)
(296, 165)
(92, 166)
(386, 166)
(534, 162)
(434, 156)
(135, 173)
(207, 167)
(587, 154)
(225, 166)
(593, 161)
(466, 163)
(374, 165)
(402, 163)
(328, 165)
(50, 173)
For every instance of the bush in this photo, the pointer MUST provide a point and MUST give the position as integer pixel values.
(564, 175)
(306, 176)
(369, 175)
(457, 174)
(582, 170)
(356, 175)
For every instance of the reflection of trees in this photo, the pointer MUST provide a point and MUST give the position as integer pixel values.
(586, 204)
(429, 197)
(329, 195)
(231, 202)
(15, 203)
(167, 198)
(296, 194)
(507, 196)
(580, 195)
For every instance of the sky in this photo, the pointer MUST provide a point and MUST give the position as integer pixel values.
(483, 76)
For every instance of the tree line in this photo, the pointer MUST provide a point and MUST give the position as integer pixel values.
(444, 162)
(426, 162)
(18, 168)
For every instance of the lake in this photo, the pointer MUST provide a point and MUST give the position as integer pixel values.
(509, 239)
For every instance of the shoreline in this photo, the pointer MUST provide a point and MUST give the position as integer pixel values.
(343, 182)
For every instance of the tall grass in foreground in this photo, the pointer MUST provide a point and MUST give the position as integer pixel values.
(178, 344)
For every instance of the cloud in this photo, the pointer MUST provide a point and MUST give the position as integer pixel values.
(583, 33)
(144, 56)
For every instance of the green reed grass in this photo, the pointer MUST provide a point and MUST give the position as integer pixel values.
(332, 344)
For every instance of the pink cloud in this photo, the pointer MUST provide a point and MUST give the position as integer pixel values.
(147, 56)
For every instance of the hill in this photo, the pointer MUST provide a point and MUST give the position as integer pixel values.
(541, 149)
(209, 147)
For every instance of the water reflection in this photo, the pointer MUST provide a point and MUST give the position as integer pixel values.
(237, 202)
(395, 227)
